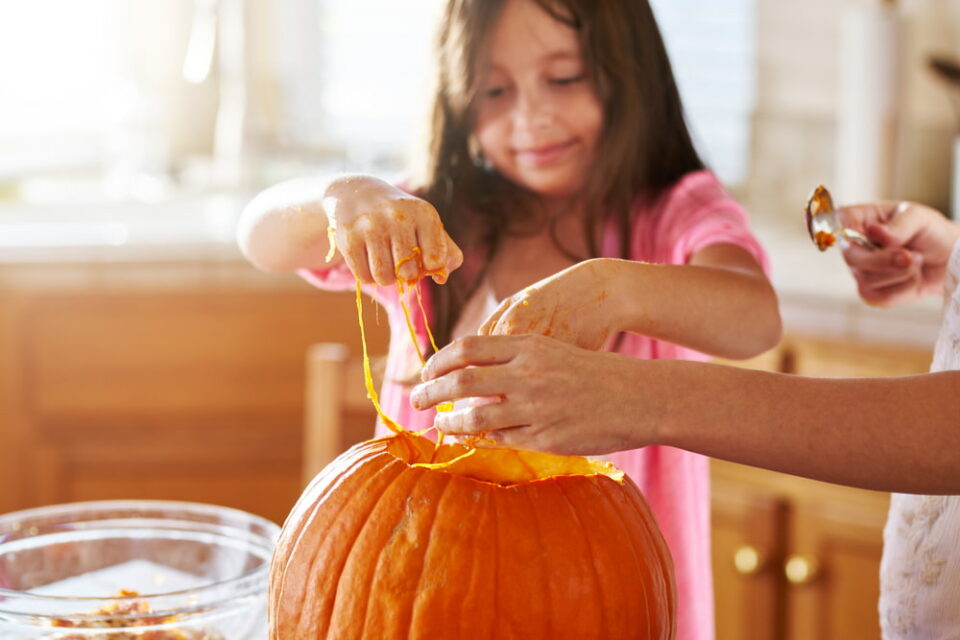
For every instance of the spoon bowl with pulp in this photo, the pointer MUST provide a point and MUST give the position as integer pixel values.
(824, 227)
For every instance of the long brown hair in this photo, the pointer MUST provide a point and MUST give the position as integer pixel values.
(644, 146)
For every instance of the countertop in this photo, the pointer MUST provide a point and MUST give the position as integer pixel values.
(185, 228)
(817, 294)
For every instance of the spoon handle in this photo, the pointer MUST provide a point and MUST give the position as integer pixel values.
(859, 238)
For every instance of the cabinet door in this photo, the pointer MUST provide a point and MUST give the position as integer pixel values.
(748, 550)
(833, 566)
(177, 394)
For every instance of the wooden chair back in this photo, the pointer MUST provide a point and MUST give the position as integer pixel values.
(338, 413)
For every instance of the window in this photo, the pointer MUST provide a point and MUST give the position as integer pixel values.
(89, 97)
(60, 59)
(712, 47)
(100, 85)
(376, 55)
(364, 81)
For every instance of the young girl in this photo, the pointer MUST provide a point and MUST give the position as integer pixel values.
(560, 165)
(888, 434)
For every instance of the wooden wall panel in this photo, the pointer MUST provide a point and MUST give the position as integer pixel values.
(844, 538)
(148, 354)
(748, 545)
(13, 426)
(835, 532)
(189, 390)
(846, 359)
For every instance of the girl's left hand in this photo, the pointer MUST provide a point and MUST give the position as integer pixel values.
(552, 396)
(573, 305)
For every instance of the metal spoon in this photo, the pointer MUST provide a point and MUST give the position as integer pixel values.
(823, 226)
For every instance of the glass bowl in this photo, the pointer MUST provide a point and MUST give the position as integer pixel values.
(134, 570)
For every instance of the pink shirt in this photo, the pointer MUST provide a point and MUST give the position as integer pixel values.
(695, 213)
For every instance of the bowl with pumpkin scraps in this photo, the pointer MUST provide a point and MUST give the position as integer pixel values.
(134, 570)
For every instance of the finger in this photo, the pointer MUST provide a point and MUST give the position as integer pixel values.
(401, 246)
(432, 240)
(903, 265)
(454, 261)
(875, 281)
(380, 258)
(471, 351)
(357, 261)
(900, 229)
(454, 255)
(876, 234)
(521, 437)
(877, 261)
(891, 296)
(512, 437)
(479, 419)
(490, 381)
(860, 216)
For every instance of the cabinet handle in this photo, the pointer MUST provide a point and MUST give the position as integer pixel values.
(747, 560)
(801, 570)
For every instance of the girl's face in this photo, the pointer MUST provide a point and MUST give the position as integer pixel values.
(538, 116)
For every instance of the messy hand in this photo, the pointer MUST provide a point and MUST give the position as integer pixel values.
(915, 243)
(553, 397)
(377, 227)
(573, 305)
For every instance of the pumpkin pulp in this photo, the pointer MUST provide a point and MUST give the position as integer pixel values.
(495, 465)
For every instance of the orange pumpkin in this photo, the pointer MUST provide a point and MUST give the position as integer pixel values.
(399, 538)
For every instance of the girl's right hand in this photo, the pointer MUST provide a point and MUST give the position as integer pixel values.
(915, 243)
(378, 226)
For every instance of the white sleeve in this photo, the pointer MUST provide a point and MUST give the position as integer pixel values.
(953, 272)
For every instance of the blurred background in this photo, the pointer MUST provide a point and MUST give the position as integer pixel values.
(142, 357)
(138, 101)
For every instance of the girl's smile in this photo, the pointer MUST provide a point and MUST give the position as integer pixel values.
(544, 155)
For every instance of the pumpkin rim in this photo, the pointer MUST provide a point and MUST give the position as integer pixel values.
(502, 466)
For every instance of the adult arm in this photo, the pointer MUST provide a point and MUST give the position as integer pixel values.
(890, 434)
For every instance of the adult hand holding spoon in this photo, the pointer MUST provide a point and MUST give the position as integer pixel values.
(909, 246)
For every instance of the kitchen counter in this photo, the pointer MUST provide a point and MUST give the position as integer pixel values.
(185, 228)
(818, 296)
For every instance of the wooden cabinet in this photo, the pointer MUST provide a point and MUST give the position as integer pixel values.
(167, 381)
(847, 359)
(749, 544)
(793, 558)
(796, 559)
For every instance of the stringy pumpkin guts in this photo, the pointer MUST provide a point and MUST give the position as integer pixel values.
(824, 240)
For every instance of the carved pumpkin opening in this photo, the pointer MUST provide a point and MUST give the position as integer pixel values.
(505, 467)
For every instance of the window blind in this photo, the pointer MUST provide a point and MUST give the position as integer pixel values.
(712, 45)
